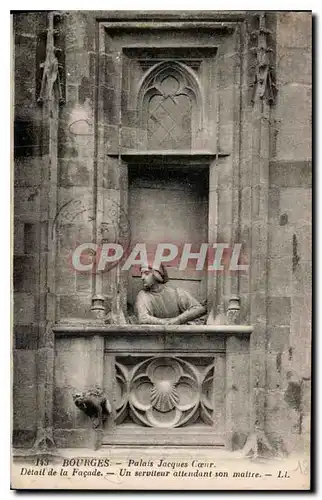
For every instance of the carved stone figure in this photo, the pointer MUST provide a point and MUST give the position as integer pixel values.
(161, 304)
(94, 404)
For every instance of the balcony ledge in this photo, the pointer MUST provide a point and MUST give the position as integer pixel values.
(85, 329)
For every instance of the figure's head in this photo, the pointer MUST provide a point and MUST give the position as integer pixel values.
(150, 276)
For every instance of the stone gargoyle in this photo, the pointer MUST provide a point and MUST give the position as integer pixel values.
(94, 404)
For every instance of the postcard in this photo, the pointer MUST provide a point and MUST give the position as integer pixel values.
(162, 177)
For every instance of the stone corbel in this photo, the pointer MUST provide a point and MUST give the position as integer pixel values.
(98, 306)
(217, 315)
(233, 310)
(95, 405)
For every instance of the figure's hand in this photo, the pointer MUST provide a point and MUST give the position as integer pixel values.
(173, 321)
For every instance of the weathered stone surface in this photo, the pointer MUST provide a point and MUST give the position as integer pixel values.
(110, 108)
(301, 315)
(280, 276)
(72, 363)
(278, 311)
(27, 171)
(278, 338)
(294, 65)
(303, 242)
(111, 137)
(294, 29)
(294, 128)
(75, 172)
(24, 308)
(290, 174)
(24, 389)
(25, 337)
(75, 306)
(302, 282)
(274, 203)
(280, 240)
(25, 276)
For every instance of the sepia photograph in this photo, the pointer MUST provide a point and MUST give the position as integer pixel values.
(161, 250)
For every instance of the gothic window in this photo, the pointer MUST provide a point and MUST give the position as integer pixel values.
(169, 108)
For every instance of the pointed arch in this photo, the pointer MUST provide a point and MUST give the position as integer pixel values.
(170, 105)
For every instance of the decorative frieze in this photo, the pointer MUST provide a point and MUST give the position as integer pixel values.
(164, 392)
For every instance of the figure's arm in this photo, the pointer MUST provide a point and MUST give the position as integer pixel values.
(192, 309)
(189, 315)
(145, 318)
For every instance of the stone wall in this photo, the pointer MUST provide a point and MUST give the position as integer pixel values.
(290, 236)
(76, 164)
(30, 164)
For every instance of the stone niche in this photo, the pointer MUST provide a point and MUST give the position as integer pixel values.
(167, 109)
(167, 97)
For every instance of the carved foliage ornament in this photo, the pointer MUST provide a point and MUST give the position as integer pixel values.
(164, 392)
(53, 70)
(263, 67)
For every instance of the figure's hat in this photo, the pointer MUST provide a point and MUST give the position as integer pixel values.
(159, 272)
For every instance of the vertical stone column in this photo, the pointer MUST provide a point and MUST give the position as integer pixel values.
(258, 273)
(226, 179)
(45, 354)
(111, 184)
(237, 391)
(97, 380)
(75, 211)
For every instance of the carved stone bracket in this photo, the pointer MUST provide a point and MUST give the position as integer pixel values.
(94, 404)
(98, 306)
(263, 80)
(217, 316)
(233, 310)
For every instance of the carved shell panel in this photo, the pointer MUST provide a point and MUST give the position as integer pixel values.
(164, 392)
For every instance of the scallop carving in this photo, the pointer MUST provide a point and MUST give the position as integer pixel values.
(164, 396)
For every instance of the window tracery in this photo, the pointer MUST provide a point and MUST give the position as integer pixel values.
(170, 110)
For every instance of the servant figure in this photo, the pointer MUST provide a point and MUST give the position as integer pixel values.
(161, 304)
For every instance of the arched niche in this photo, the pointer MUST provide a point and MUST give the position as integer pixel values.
(170, 106)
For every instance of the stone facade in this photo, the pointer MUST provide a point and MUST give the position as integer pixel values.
(71, 164)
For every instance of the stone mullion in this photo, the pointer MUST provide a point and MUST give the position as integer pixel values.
(213, 292)
(97, 379)
(234, 278)
(108, 170)
(98, 307)
(45, 353)
(114, 275)
(257, 441)
(237, 390)
(246, 179)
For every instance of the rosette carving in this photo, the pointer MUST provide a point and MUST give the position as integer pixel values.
(164, 392)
